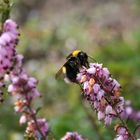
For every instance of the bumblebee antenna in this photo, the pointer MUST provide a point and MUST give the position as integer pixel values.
(92, 58)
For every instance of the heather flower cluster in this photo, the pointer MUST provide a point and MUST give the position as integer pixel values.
(72, 136)
(8, 41)
(22, 87)
(32, 130)
(102, 91)
(122, 133)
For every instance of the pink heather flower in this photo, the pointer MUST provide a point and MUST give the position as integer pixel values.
(119, 138)
(108, 119)
(122, 133)
(101, 115)
(91, 70)
(108, 109)
(32, 82)
(23, 119)
(106, 73)
(102, 91)
(85, 85)
(43, 124)
(96, 88)
(23, 85)
(100, 95)
(32, 130)
(35, 93)
(72, 136)
(130, 112)
(11, 89)
(20, 105)
(10, 25)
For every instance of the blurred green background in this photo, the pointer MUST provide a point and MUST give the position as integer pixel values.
(108, 30)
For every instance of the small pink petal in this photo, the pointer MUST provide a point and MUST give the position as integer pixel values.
(6, 37)
(11, 88)
(101, 115)
(23, 119)
(108, 120)
(96, 88)
(128, 110)
(119, 138)
(85, 85)
(108, 109)
(91, 70)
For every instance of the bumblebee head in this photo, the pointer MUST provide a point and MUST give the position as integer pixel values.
(73, 62)
(83, 59)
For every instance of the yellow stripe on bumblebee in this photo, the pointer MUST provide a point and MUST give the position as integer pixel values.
(64, 70)
(75, 53)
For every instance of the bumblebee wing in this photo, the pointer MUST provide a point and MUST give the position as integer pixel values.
(70, 55)
(62, 71)
(59, 73)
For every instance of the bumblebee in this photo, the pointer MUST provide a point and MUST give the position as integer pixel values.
(71, 68)
(81, 57)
